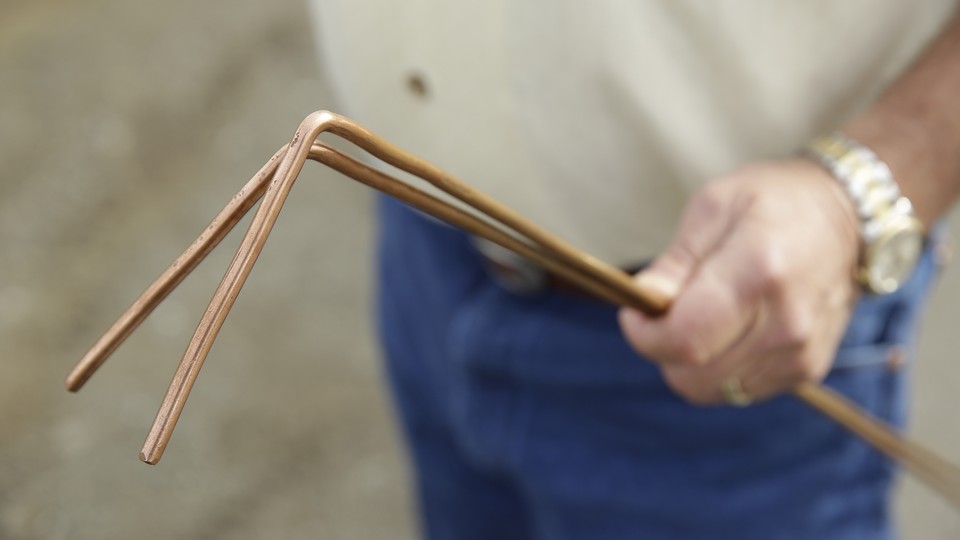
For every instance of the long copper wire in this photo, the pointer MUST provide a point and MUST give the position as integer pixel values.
(493, 221)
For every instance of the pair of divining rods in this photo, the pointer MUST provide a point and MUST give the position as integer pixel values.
(478, 214)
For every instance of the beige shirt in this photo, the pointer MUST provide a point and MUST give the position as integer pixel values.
(599, 119)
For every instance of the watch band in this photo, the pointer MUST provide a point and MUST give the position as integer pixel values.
(865, 177)
(890, 232)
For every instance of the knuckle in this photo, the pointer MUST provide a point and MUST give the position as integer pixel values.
(771, 269)
(796, 327)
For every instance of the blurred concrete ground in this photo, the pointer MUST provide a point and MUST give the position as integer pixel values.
(124, 127)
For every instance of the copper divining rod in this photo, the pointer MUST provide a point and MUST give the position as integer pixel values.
(480, 215)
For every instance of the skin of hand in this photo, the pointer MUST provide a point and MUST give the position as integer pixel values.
(761, 273)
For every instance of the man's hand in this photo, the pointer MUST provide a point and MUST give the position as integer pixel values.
(761, 272)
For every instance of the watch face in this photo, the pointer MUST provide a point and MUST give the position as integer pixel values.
(893, 258)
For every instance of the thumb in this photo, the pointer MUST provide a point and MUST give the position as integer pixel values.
(662, 282)
(665, 276)
(704, 224)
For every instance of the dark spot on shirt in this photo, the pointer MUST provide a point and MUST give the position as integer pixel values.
(417, 84)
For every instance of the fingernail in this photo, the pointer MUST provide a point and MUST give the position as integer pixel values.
(658, 284)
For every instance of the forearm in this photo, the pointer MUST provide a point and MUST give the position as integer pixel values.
(915, 127)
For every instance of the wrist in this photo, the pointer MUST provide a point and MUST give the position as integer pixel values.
(838, 206)
(891, 236)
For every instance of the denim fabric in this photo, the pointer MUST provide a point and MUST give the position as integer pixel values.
(531, 418)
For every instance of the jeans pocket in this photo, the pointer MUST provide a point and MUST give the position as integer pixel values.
(878, 347)
(886, 355)
(873, 376)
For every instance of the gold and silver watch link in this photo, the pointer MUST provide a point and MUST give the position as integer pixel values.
(892, 235)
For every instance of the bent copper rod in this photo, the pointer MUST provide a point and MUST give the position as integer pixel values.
(588, 272)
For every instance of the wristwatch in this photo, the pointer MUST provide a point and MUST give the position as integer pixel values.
(892, 236)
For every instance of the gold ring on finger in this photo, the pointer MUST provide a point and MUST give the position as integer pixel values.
(734, 394)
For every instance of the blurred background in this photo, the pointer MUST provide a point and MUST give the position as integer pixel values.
(124, 127)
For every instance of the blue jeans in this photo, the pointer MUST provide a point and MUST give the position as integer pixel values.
(531, 418)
